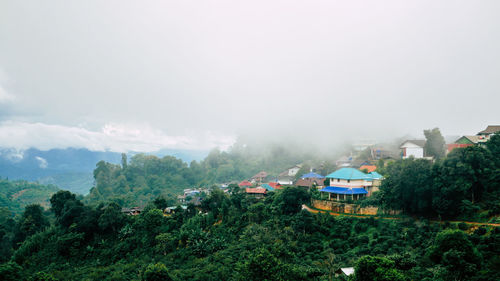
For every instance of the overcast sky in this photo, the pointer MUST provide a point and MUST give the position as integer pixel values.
(145, 75)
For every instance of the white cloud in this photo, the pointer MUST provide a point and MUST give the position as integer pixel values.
(12, 154)
(111, 137)
(42, 163)
(5, 96)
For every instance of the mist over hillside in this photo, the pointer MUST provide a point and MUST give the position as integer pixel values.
(69, 168)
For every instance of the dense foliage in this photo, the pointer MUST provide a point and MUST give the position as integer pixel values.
(236, 237)
(465, 184)
(435, 145)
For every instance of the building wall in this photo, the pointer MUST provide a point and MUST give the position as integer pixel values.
(351, 183)
(417, 152)
(293, 171)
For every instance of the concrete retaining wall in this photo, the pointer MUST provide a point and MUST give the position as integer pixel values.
(345, 208)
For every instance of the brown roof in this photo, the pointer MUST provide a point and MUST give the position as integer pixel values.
(491, 129)
(310, 182)
(255, 190)
(420, 143)
(260, 175)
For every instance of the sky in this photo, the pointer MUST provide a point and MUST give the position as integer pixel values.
(146, 75)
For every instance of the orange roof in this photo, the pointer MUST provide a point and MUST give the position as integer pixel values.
(244, 183)
(369, 168)
(275, 185)
(256, 190)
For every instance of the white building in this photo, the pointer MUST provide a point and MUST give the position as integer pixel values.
(413, 148)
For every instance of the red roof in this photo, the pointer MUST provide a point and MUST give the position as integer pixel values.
(275, 185)
(369, 168)
(255, 190)
(244, 183)
(452, 146)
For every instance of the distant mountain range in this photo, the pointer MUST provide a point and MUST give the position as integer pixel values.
(69, 168)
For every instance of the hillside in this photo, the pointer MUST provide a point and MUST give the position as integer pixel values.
(69, 168)
(235, 237)
(15, 195)
(143, 178)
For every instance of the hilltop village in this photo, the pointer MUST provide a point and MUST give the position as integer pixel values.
(356, 176)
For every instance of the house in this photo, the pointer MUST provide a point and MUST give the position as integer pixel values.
(345, 271)
(465, 141)
(171, 210)
(311, 179)
(259, 177)
(275, 185)
(344, 161)
(257, 192)
(310, 182)
(267, 187)
(361, 145)
(490, 130)
(350, 183)
(413, 148)
(479, 139)
(286, 177)
(384, 153)
(134, 211)
(244, 184)
(292, 171)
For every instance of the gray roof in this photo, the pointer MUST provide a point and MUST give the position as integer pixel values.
(491, 129)
(420, 143)
(474, 139)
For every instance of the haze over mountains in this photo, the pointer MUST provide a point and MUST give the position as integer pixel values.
(69, 168)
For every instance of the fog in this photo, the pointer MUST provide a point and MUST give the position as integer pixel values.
(200, 74)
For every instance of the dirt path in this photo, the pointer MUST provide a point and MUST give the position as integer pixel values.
(314, 211)
(19, 193)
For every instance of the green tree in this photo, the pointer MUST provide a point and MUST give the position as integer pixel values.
(493, 146)
(462, 179)
(408, 186)
(10, 272)
(31, 222)
(260, 265)
(156, 272)
(124, 161)
(455, 252)
(111, 218)
(369, 268)
(42, 276)
(290, 199)
(435, 144)
(58, 200)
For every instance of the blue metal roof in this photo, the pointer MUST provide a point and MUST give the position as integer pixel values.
(267, 186)
(344, 190)
(349, 174)
(312, 175)
(376, 175)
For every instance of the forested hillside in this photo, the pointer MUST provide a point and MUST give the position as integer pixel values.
(240, 238)
(15, 195)
(142, 178)
(465, 184)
